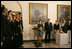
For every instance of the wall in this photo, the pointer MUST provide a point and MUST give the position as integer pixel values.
(28, 33)
(11, 5)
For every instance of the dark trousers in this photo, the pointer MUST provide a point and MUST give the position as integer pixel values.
(16, 41)
(7, 43)
(20, 39)
(47, 36)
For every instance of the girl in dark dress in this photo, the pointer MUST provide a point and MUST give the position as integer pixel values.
(21, 27)
(13, 26)
(40, 33)
(18, 30)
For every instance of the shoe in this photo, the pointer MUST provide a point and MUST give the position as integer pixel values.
(40, 44)
(20, 46)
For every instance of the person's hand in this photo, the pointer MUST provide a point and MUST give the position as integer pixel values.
(21, 31)
(3, 38)
(42, 31)
(54, 30)
(14, 34)
(45, 31)
(12, 38)
(1, 44)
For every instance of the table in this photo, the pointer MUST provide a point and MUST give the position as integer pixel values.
(35, 32)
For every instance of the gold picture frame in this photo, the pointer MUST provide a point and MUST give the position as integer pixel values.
(37, 11)
(63, 12)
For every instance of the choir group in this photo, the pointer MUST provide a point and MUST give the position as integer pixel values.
(11, 28)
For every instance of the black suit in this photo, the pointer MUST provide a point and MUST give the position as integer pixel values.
(48, 29)
(2, 33)
(5, 31)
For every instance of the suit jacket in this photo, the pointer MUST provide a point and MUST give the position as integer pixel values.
(48, 28)
(2, 27)
(5, 27)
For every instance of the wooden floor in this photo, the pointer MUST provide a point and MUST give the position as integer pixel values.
(45, 45)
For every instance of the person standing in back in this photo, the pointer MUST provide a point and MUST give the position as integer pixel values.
(56, 28)
(48, 29)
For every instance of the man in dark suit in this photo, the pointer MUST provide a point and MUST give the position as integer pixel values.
(3, 13)
(2, 34)
(6, 33)
(48, 29)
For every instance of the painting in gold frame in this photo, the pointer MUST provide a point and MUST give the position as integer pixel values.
(63, 13)
(37, 12)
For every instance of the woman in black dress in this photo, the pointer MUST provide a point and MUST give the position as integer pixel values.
(21, 27)
(56, 28)
(18, 30)
(13, 26)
